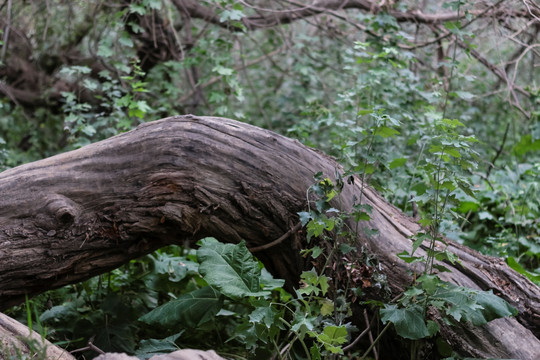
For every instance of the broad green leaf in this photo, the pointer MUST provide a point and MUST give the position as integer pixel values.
(190, 310)
(517, 267)
(464, 95)
(452, 152)
(397, 163)
(268, 282)
(150, 347)
(386, 131)
(493, 306)
(474, 306)
(409, 322)
(430, 283)
(433, 327)
(230, 268)
(361, 216)
(526, 144)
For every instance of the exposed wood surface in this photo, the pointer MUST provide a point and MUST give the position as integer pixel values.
(16, 339)
(176, 180)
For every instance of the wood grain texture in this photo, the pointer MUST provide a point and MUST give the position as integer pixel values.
(176, 180)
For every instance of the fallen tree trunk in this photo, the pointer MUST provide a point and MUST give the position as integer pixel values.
(82, 213)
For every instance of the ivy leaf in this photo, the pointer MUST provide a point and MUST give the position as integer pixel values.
(221, 70)
(304, 217)
(409, 322)
(191, 310)
(125, 39)
(230, 268)
(331, 338)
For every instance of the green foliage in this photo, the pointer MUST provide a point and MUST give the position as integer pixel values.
(455, 303)
(437, 136)
(192, 309)
(230, 269)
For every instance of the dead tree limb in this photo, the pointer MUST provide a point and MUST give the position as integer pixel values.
(176, 180)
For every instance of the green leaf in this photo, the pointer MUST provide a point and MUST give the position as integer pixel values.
(317, 251)
(150, 347)
(474, 306)
(386, 132)
(312, 283)
(230, 268)
(464, 95)
(398, 162)
(190, 310)
(137, 9)
(409, 322)
(405, 256)
(493, 306)
(304, 217)
(517, 267)
(526, 144)
(331, 338)
(221, 70)
(231, 15)
(105, 50)
(268, 282)
(263, 315)
(125, 39)
(452, 152)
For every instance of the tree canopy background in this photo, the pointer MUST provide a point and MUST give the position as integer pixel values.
(329, 73)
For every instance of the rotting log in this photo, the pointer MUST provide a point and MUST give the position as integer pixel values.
(16, 339)
(173, 181)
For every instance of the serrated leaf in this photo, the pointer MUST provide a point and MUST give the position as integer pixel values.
(230, 268)
(190, 310)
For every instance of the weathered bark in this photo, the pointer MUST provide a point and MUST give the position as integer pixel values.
(78, 214)
(16, 339)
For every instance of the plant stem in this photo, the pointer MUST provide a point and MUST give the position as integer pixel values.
(376, 341)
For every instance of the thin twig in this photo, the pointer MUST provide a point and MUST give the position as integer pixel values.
(363, 333)
(217, 78)
(278, 240)
(499, 151)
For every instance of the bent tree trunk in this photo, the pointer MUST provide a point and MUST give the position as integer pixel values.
(176, 180)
